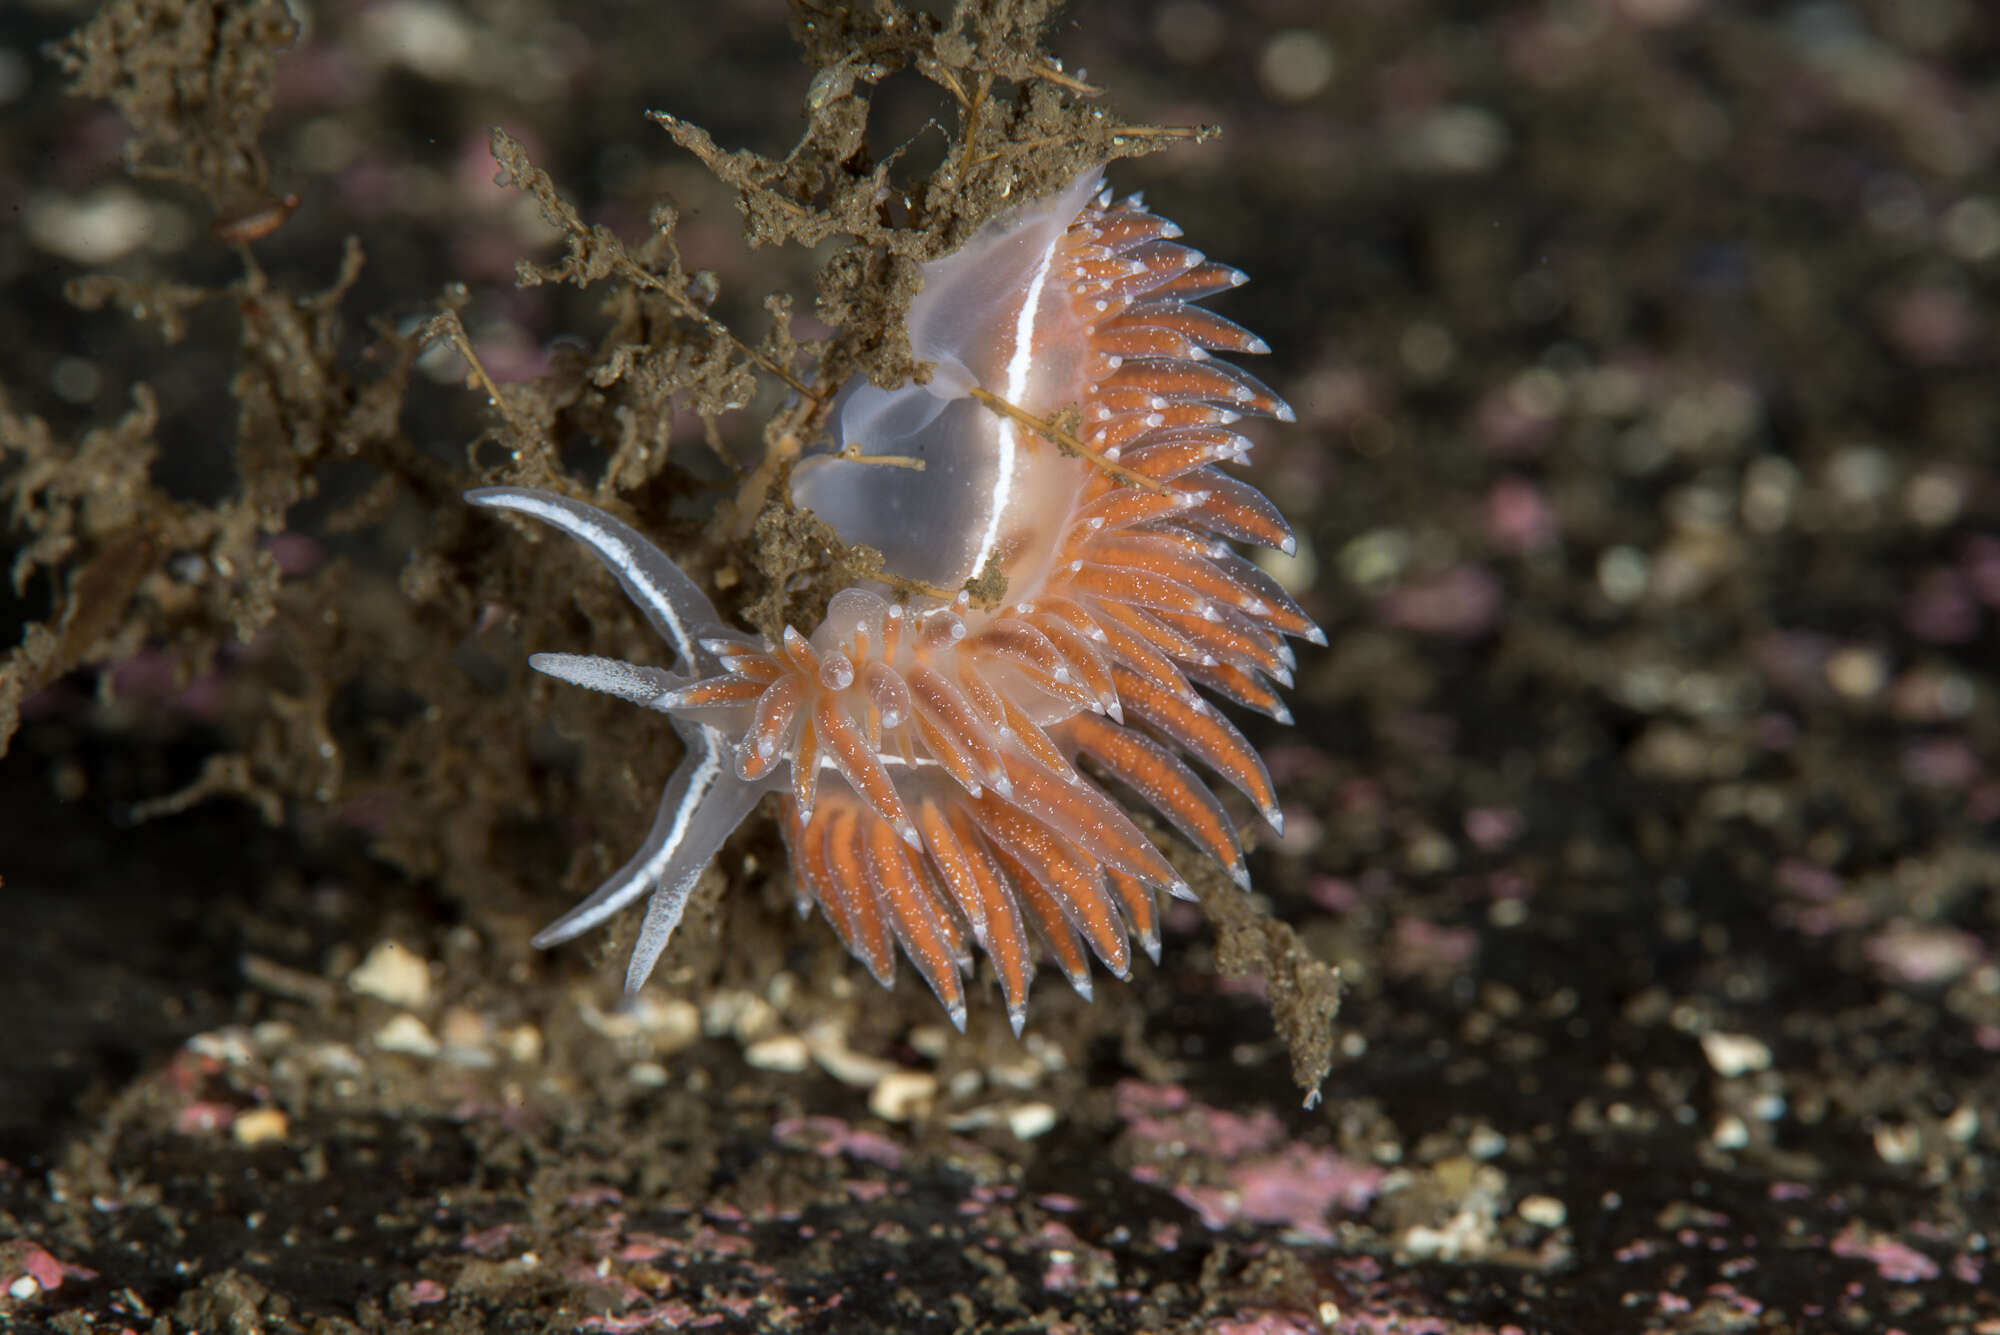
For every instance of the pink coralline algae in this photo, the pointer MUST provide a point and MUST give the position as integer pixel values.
(424, 1292)
(1461, 603)
(1922, 954)
(1252, 1321)
(1422, 946)
(672, 1315)
(1519, 519)
(1493, 828)
(1893, 1260)
(1166, 1115)
(1294, 1189)
(829, 1136)
(28, 1269)
(1229, 1168)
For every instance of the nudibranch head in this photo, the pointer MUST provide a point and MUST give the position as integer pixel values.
(926, 753)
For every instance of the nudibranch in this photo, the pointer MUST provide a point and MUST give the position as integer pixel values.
(926, 750)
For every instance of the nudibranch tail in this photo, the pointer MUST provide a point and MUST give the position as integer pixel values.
(927, 754)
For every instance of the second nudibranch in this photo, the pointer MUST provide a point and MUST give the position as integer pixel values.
(925, 752)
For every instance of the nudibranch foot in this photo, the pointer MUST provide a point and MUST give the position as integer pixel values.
(928, 756)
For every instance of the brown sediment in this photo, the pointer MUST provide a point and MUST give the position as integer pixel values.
(194, 79)
(1302, 990)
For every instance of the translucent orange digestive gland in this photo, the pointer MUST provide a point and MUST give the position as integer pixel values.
(926, 752)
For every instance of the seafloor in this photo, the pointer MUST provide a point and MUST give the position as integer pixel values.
(1644, 353)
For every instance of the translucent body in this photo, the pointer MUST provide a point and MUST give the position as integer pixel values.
(996, 313)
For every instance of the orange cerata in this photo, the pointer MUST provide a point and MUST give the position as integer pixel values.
(924, 749)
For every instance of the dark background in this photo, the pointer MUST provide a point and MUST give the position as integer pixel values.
(1644, 357)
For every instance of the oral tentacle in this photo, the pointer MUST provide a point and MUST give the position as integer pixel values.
(702, 805)
(673, 603)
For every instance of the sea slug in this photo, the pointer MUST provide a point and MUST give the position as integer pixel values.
(926, 750)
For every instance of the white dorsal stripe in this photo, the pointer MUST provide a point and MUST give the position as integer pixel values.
(1019, 367)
